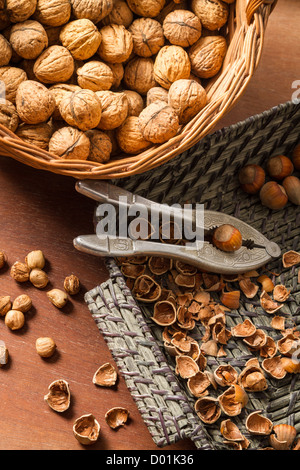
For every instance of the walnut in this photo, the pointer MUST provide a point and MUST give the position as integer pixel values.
(81, 38)
(8, 115)
(70, 144)
(139, 74)
(5, 51)
(54, 65)
(53, 12)
(95, 76)
(158, 122)
(120, 14)
(171, 6)
(94, 10)
(60, 91)
(81, 109)
(116, 45)
(118, 73)
(213, 14)
(187, 97)
(34, 102)
(182, 28)
(20, 10)
(171, 64)
(114, 109)
(157, 93)
(12, 77)
(36, 134)
(148, 37)
(130, 138)
(28, 39)
(101, 146)
(207, 56)
(135, 102)
(147, 8)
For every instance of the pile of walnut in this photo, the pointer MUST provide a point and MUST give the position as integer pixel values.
(92, 78)
(182, 297)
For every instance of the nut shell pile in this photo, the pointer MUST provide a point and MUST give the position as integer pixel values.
(76, 72)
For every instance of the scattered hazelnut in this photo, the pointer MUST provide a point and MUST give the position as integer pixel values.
(273, 195)
(291, 185)
(23, 303)
(3, 259)
(57, 297)
(35, 259)
(14, 319)
(5, 305)
(45, 347)
(38, 278)
(227, 238)
(279, 167)
(20, 272)
(86, 429)
(72, 284)
(3, 354)
(252, 178)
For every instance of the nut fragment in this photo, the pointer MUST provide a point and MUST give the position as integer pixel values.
(72, 284)
(20, 272)
(105, 376)
(208, 409)
(259, 425)
(86, 429)
(290, 258)
(45, 347)
(3, 354)
(35, 259)
(3, 259)
(58, 298)
(186, 367)
(164, 313)
(280, 293)
(38, 278)
(59, 396)
(158, 123)
(116, 417)
(14, 320)
(23, 303)
(283, 436)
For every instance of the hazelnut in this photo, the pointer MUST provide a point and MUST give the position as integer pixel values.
(114, 109)
(273, 195)
(5, 51)
(95, 76)
(146, 8)
(81, 109)
(12, 77)
(94, 10)
(34, 102)
(14, 319)
(157, 93)
(86, 429)
(252, 178)
(35, 259)
(70, 144)
(158, 122)
(101, 146)
(139, 75)
(296, 157)
(130, 138)
(207, 56)
(28, 39)
(81, 38)
(5, 305)
(172, 63)
(3, 259)
(3, 354)
(227, 238)
(116, 45)
(148, 36)
(187, 97)
(45, 347)
(213, 14)
(60, 91)
(38, 278)
(58, 298)
(72, 284)
(182, 28)
(291, 185)
(135, 102)
(20, 10)
(53, 12)
(20, 272)
(120, 14)
(279, 167)
(54, 65)
(36, 134)
(23, 303)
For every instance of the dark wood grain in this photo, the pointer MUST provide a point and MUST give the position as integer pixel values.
(40, 210)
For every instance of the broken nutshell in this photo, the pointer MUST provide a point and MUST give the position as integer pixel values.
(116, 417)
(105, 376)
(86, 429)
(58, 397)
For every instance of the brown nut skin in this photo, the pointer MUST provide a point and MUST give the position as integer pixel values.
(182, 28)
(81, 109)
(20, 10)
(5, 51)
(8, 115)
(23, 303)
(207, 56)
(70, 144)
(5, 305)
(146, 8)
(45, 347)
(187, 97)
(291, 185)
(148, 36)
(38, 278)
(28, 39)
(54, 65)
(14, 320)
(130, 138)
(34, 102)
(279, 167)
(95, 75)
(81, 38)
(252, 178)
(227, 238)
(158, 122)
(12, 77)
(94, 10)
(72, 284)
(172, 63)
(273, 195)
(212, 14)
(139, 75)
(53, 12)
(20, 272)
(116, 45)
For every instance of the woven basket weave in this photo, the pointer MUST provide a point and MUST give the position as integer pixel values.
(245, 36)
(207, 174)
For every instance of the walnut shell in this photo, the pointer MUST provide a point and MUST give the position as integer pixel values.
(213, 14)
(157, 93)
(81, 38)
(118, 73)
(135, 102)
(60, 91)
(158, 122)
(139, 75)
(70, 144)
(81, 109)
(34, 102)
(5, 51)
(11, 77)
(187, 97)
(36, 134)
(101, 146)
(207, 56)
(54, 65)
(120, 14)
(94, 10)
(148, 36)
(130, 138)
(182, 28)
(95, 76)
(147, 8)
(53, 12)
(116, 45)
(20, 10)
(114, 109)
(28, 39)
(8, 115)
(172, 63)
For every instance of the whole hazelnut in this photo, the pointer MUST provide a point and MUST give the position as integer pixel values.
(38, 278)
(172, 63)
(273, 195)
(53, 12)
(54, 65)
(3, 259)
(8, 115)
(14, 319)
(34, 102)
(58, 298)
(72, 284)
(148, 37)
(116, 45)
(291, 185)
(45, 347)
(252, 177)
(5, 51)
(279, 167)
(296, 157)
(114, 109)
(76, 114)
(28, 39)
(23, 303)
(227, 238)
(101, 146)
(35, 259)
(5, 305)
(70, 144)
(20, 272)
(95, 75)
(81, 38)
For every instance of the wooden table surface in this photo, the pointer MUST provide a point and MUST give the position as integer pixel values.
(40, 210)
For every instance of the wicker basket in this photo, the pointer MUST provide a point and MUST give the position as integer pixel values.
(245, 35)
(207, 173)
